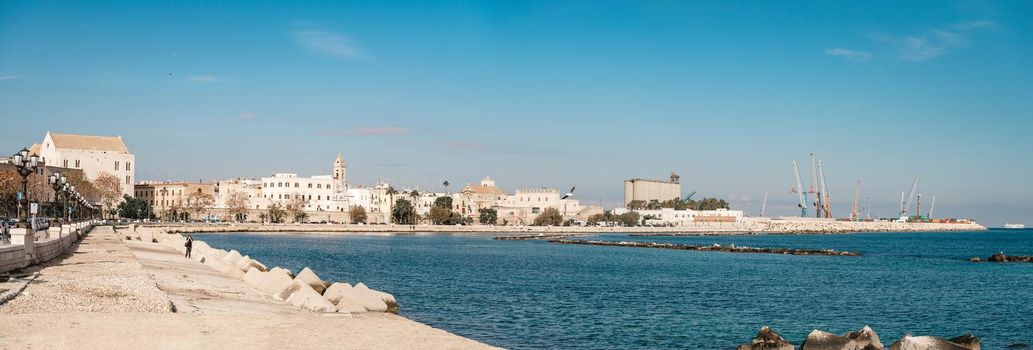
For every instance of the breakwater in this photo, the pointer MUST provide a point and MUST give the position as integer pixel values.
(865, 338)
(708, 248)
(304, 290)
(748, 226)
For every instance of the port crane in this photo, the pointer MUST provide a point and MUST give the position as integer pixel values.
(931, 207)
(815, 189)
(689, 197)
(905, 206)
(798, 189)
(826, 207)
(764, 204)
(854, 213)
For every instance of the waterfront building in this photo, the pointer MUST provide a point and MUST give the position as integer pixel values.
(646, 190)
(93, 155)
(251, 188)
(474, 197)
(524, 205)
(672, 217)
(171, 200)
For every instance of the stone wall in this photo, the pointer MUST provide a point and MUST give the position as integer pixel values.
(41, 246)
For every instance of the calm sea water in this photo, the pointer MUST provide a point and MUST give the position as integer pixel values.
(534, 294)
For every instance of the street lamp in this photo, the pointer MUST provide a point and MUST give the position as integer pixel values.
(60, 184)
(26, 165)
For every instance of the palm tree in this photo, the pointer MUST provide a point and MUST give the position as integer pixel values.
(391, 192)
(415, 195)
(446, 186)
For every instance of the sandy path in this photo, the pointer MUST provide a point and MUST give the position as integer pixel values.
(214, 311)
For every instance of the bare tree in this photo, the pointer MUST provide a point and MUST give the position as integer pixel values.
(199, 202)
(109, 191)
(238, 204)
(296, 207)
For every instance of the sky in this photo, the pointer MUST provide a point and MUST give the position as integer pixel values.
(547, 94)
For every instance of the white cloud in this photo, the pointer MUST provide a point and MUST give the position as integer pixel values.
(327, 43)
(204, 79)
(853, 55)
(935, 42)
(9, 77)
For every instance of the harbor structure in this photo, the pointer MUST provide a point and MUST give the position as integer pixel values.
(646, 190)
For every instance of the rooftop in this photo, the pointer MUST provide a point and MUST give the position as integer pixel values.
(89, 142)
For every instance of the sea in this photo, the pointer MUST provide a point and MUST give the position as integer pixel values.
(533, 294)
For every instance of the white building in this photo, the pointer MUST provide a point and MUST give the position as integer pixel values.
(524, 205)
(94, 155)
(671, 217)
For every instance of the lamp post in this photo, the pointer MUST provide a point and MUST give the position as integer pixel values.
(26, 165)
(59, 183)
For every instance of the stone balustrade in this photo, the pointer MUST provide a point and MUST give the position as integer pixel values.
(30, 247)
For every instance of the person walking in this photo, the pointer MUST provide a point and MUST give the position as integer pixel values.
(189, 244)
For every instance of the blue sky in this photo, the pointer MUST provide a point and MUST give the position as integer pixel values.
(546, 93)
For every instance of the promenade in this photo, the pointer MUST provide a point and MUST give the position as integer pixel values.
(114, 294)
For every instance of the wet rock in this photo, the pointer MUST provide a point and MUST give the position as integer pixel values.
(967, 340)
(863, 339)
(1018, 346)
(999, 257)
(909, 342)
(975, 259)
(767, 339)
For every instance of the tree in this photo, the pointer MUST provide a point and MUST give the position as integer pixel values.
(595, 219)
(109, 191)
(653, 204)
(357, 214)
(446, 186)
(443, 202)
(636, 205)
(439, 216)
(488, 216)
(549, 217)
(296, 207)
(403, 212)
(630, 218)
(198, 202)
(133, 208)
(391, 192)
(237, 203)
(276, 213)
(263, 216)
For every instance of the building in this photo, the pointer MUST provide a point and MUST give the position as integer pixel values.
(524, 205)
(647, 190)
(318, 193)
(171, 200)
(475, 197)
(94, 155)
(672, 217)
(251, 188)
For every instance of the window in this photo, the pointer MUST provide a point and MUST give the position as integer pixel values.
(65, 163)
(309, 185)
(295, 185)
(127, 167)
(76, 163)
(116, 165)
(127, 180)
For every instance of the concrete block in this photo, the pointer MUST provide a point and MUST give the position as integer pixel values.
(308, 277)
(333, 293)
(360, 294)
(349, 306)
(289, 273)
(274, 282)
(307, 298)
(254, 278)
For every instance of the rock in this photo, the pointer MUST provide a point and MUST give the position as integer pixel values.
(308, 277)
(999, 257)
(975, 259)
(909, 342)
(360, 294)
(307, 298)
(866, 337)
(392, 305)
(1018, 346)
(767, 339)
(966, 340)
(333, 293)
(859, 340)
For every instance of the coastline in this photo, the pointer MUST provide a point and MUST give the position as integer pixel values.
(116, 293)
(751, 227)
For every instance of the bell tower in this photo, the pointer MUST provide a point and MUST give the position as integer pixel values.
(340, 169)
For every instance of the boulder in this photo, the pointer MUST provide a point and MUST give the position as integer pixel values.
(866, 338)
(333, 293)
(258, 265)
(999, 257)
(859, 340)
(967, 340)
(392, 305)
(307, 298)
(308, 277)
(767, 339)
(909, 342)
